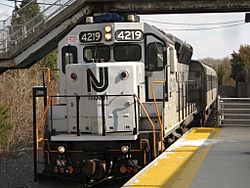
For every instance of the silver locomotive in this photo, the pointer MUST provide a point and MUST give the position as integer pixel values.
(127, 90)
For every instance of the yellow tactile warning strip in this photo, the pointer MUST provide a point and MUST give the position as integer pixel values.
(164, 170)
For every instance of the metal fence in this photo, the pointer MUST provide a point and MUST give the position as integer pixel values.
(234, 112)
(13, 34)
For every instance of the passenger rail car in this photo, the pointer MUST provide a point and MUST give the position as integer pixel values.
(207, 84)
(127, 89)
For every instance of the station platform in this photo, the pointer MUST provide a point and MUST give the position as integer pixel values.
(203, 157)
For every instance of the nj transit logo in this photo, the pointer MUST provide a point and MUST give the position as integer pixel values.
(92, 81)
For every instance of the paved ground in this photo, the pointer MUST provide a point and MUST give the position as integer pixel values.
(227, 164)
(16, 169)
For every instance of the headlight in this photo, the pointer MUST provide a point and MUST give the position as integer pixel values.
(108, 32)
(124, 149)
(108, 36)
(108, 28)
(61, 149)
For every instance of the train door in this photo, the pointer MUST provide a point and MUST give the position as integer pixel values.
(68, 55)
(154, 66)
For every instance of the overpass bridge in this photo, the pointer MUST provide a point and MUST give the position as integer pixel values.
(33, 44)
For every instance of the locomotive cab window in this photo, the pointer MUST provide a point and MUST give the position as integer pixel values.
(154, 54)
(127, 52)
(96, 53)
(69, 56)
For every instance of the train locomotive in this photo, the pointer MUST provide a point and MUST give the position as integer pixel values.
(127, 90)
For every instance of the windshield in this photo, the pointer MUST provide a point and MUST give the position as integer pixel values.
(96, 53)
(121, 52)
(127, 52)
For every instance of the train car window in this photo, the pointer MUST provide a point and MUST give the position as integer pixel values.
(209, 82)
(215, 82)
(69, 56)
(127, 52)
(96, 53)
(155, 56)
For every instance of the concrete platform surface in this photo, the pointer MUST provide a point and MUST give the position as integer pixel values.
(202, 158)
(165, 170)
(227, 164)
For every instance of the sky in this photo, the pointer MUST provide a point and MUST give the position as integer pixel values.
(214, 35)
(5, 9)
(210, 35)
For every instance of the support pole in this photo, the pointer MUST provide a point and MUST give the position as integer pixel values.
(34, 135)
